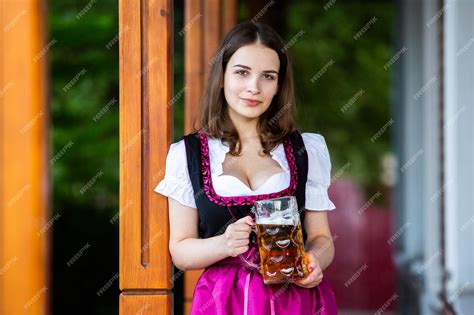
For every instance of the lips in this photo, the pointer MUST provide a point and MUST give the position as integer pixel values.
(251, 102)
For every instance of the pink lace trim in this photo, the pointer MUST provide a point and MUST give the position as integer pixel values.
(244, 200)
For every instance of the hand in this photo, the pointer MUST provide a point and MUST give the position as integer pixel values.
(315, 275)
(236, 236)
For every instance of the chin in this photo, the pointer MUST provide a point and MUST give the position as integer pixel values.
(248, 114)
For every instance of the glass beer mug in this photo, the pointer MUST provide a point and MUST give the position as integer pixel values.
(280, 240)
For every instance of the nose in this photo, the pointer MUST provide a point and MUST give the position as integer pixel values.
(252, 86)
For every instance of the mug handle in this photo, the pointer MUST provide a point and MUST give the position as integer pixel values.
(252, 214)
(253, 228)
(257, 252)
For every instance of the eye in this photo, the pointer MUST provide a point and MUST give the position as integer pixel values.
(269, 77)
(241, 72)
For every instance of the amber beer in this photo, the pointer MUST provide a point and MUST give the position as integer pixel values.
(281, 247)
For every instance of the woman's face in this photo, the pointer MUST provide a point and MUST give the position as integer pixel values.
(251, 80)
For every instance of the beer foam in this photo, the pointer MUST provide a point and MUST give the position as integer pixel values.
(276, 220)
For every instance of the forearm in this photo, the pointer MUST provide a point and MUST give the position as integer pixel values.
(197, 253)
(323, 248)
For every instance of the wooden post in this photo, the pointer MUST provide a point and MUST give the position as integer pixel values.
(193, 60)
(229, 15)
(24, 182)
(145, 29)
(205, 23)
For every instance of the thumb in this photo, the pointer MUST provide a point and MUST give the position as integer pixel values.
(312, 261)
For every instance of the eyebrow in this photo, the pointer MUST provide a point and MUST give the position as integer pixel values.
(265, 71)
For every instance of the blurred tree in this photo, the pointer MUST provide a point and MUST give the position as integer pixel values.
(85, 155)
(334, 65)
(339, 50)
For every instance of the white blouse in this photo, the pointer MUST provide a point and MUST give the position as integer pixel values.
(177, 185)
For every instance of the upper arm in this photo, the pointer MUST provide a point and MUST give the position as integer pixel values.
(183, 222)
(316, 224)
(177, 186)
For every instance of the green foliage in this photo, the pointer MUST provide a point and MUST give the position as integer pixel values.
(84, 90)
(80, 52)
(352, 65)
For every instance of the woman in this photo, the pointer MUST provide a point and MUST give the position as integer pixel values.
(248, 149)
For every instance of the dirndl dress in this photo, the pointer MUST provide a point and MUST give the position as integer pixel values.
(232, 285)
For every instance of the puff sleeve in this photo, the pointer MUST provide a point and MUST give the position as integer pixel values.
(176, 184)
(319, 173)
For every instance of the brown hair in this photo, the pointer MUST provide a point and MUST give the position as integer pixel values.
(278, 120)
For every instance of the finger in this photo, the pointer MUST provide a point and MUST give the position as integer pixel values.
(247, 220)
(238, 243)
(312, 262)
(316, 280)
(312, 276)
(240, 235)
(242, 228)
(312, 266)
(305, 281)
(311, 280)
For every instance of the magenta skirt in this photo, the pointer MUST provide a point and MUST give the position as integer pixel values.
(231, 287)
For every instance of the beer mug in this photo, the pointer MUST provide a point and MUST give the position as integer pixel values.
(280, 240)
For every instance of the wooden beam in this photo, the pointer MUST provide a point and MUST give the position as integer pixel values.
(193, 60)
(24, 181)
(145, 304)
(205, 24)
(212, 31)
(229, 15)
(145, 136)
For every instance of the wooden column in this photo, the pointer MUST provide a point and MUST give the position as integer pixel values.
(205, 23)
(193, 60)
(24, 182)
(145, 136)
(229, 15)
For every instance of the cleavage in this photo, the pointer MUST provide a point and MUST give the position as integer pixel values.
(260, 168)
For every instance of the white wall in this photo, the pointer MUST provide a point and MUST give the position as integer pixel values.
(459, 134)
(418, 127)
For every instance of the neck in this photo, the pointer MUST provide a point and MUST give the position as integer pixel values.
(247, 129)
